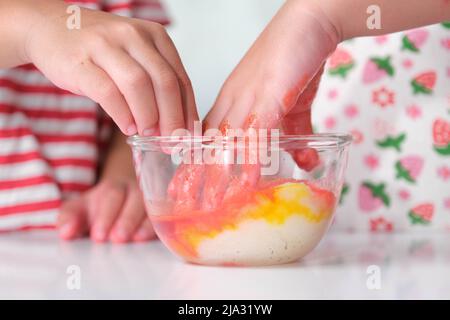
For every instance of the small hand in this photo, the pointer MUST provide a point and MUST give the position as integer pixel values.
(282, 66)
(129, 66)
(272, 87)
(111, 211)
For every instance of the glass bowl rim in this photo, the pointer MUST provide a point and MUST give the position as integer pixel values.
(315, 141)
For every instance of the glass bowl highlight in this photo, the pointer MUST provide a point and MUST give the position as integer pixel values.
(211, 203)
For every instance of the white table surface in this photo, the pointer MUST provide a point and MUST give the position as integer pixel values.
(34, 265)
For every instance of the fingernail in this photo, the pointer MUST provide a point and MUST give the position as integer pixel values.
(149, 132)
(143, 234)
(132, 130)
(99, 234)
(65, 230)
(119, 236)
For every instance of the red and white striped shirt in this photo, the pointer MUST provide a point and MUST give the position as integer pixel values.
(50, 139)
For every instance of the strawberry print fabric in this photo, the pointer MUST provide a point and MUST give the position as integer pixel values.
(393, 94)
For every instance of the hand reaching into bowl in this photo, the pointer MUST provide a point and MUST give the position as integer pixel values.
(129, 66)
(275, 83)
(273, 79)
(272, 87)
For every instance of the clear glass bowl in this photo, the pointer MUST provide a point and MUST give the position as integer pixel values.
(212, 203)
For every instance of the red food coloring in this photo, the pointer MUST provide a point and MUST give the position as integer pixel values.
(224, 127)
(307, 159)
(251, 121)
(292, 95)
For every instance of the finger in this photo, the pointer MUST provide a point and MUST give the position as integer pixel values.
(188, 187)
(300, 124)
(145, 232)
(239, 115)
(251, 168)
(72, 219)
(167, 48)
(95, 83)
(166, 87)
(217, 113)
(250, 174)
(177, 179)
(131, 216)
(135, 85)
(298, 121)
(110, 199)
(217, 178)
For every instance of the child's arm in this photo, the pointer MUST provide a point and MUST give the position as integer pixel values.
(272, 85)
(14, 26)
(350, 17)
(129, 66)
(114, 208)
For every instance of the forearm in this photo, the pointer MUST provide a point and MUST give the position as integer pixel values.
(118, 162)
(17, 19)
(350, 17)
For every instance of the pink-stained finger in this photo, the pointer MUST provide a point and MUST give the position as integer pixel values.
(298, 121)
(177, 179)
(307, 159)
(217, 113)
(216, 183)
(250, 175)
(236, 115)
(189, 187)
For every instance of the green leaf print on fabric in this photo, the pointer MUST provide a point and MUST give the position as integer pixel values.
(373, 196)
(424, 83)
(446, 25)
(344, 192)
(408, 45)
(377, 68)
(340, 63)
(342, 70)
(413, 40)
(384, 64)
(392, 142)
(409, 168)
(421, 214)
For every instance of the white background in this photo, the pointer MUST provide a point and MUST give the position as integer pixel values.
(213, 35)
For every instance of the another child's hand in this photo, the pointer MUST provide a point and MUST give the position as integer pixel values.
(272, 87)
(273, 82)
(129, 66)
(112, 210)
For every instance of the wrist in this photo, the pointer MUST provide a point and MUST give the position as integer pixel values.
(327, 24)
(36, 14)
(118, 164)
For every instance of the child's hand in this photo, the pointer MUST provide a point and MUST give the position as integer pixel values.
(112, 210)
(272, 87)
(129, 66)
(273, 82)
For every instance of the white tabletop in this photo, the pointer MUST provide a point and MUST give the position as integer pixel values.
(35, 264)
